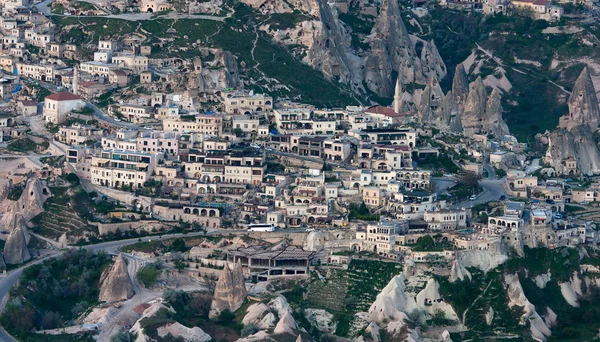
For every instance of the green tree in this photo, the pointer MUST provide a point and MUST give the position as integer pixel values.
(425, 242)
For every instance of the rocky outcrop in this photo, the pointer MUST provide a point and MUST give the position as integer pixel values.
(177, 330)
(151, 311)
(485, 260)
(516, 296)
(571, 147)
(373, 330)
(433, 65)
(572, 151)
(5, 186)
(286, 324)
(458, 272)
(230, 291)
(571, 290)
(460, 86)
(431, 109)
(474, 107)
(222, 73)
(321, 319)
(481, 114)
(493, 123)
(391, 50)
(430, 300)
(15, 250)
(315, 241)
(115, 284)
(583, 103)
(392, 303)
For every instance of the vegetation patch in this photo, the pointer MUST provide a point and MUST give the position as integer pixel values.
(51, 294)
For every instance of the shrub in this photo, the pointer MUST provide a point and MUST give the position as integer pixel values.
(149, 274)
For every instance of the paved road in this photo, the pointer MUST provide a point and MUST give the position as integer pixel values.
(492, 190)
(100, 115)
(111, 247)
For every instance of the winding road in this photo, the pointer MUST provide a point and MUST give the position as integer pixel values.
(111, 247)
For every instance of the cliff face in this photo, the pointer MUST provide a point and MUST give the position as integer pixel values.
(432, 108)
(15, 250)
(230, 291)
(571, 147)
(115, 282)
(583, 103)
(222, 74)
(326, 45)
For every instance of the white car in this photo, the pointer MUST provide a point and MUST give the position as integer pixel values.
(473, 198)
(117, 120)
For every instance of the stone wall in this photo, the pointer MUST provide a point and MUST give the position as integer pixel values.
(104, 228)
(300, 161)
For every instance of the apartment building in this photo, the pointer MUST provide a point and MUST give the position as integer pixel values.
(135, 63)
(247, 103)
(37, 71)
(158, 141)
(77, 134)
(336, 150)
(39, 39)
(446, 219)
(118, 168)
(135, 113)
(383, 237)
(235, 165)
(208, 124)
(389, 136)
(97, 68)
(245, 123)
(7, 63)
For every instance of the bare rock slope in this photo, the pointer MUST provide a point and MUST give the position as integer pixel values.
(115, 282)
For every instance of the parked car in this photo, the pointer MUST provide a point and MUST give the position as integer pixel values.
(550, 201)
(502, 197)
(473, 198)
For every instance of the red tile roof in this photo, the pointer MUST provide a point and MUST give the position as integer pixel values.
(387, 111)
(64, 96)
(87, 83)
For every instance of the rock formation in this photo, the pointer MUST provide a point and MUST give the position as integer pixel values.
(583, 103)
(15, 249)
(391, 50)
(222, 74)
(176, 330)
(493, 123)
(516, 296)
(30, 204)
(430, 300)
(458, 272)
(286, 324)
(314, 241)
(431, 109)
(474, 107)
(460, 86)
(115, 284)
(230, 291)
(432, 62)
(392, 302)
(481, 114)
(571, 147)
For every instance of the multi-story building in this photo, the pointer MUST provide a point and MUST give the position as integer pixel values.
(134, 63)
(208, 124)
(37, 71)
(118, 168)
(58, 106)
(77, 134)
(235, 165)
(245, 123)
(135, 113)
(158, 141)
(446, 219)
(382, 237)
(387, 136)
(337, 150)
(247, 104)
